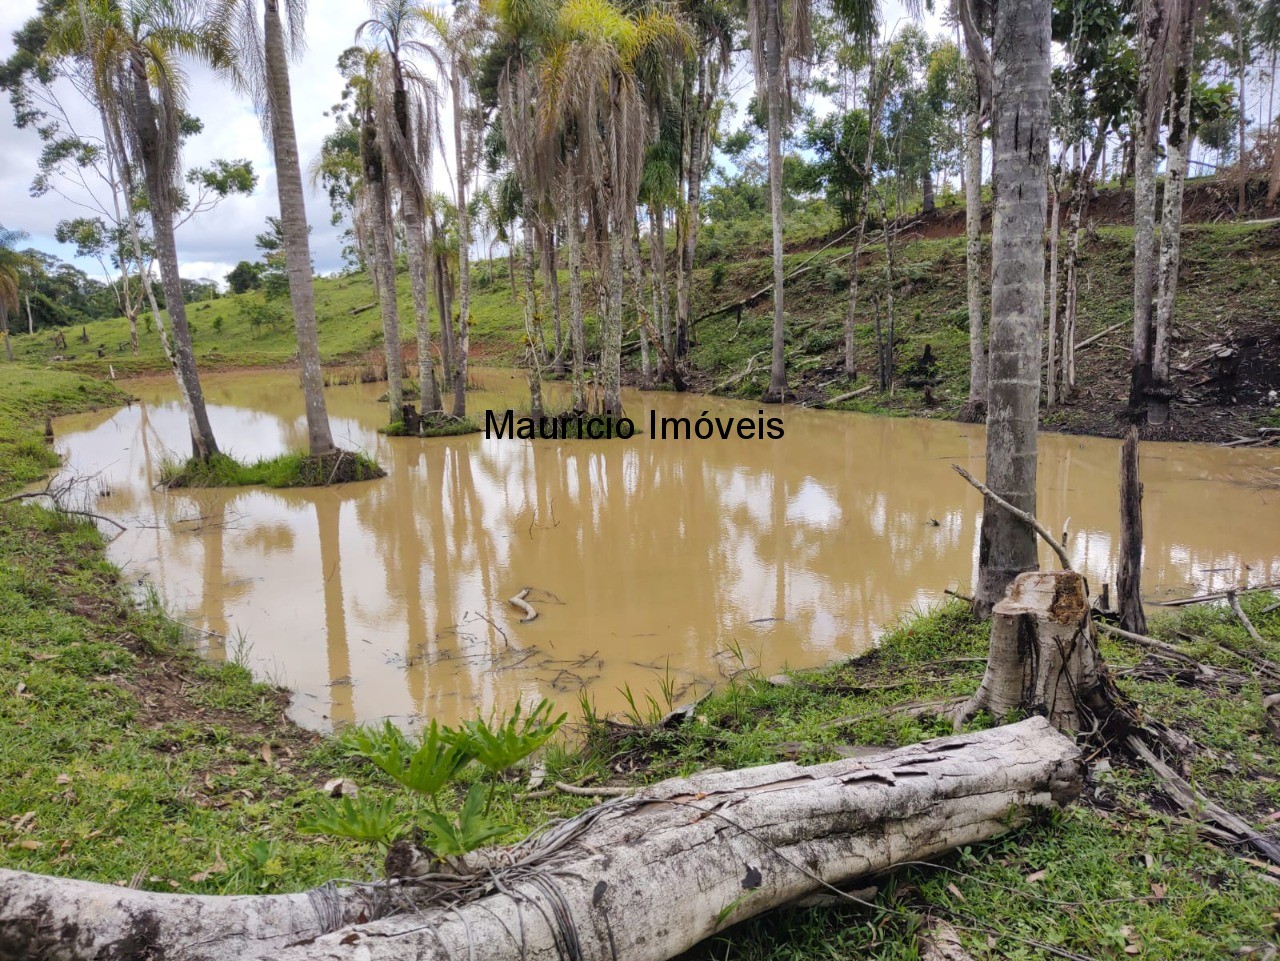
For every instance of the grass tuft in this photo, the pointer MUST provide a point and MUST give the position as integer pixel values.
(286, 470)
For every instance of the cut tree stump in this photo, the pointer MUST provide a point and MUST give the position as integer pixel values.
(1044, 654)
(641, 878)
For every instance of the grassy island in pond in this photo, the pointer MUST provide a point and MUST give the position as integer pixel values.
(286, 470)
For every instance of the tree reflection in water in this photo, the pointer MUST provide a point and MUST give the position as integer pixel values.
(642, 554)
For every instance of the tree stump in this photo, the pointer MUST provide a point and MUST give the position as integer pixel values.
(1044, 655)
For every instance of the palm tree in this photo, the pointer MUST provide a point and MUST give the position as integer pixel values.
(407, 103)
(1020, 124)
(780, 40)
(373, 208)
(263, 61)
(781, 45)
(457, 36)
(703, 73)
(130, 50)
(10, 282)
(589, 82)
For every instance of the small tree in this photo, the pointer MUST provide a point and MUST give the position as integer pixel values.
(245, 276)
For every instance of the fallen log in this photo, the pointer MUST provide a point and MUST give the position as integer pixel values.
(642, 878)
(841, 398)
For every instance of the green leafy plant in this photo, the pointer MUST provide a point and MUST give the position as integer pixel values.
(426, 767)
(429, 764)
(359, 819)
(501, 745)
(455, 837)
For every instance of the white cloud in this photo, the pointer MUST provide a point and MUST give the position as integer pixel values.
(220, 238)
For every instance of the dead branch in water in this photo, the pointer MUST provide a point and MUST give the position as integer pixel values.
(841, 398)
(519, 601)
(1215, 596)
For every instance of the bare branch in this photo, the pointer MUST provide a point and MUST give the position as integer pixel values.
(1028, 519)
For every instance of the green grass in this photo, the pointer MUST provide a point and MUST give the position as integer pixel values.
(1118, 869)
(27, 396)
(225, 335)
(434, 427)
(285, 470)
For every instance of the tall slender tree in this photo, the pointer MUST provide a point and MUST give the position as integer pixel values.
(263, 61)
(409, 117)
(131, 51)
(1020, 124)
(1177, 149)
(1153, 28)
(457, 35)
(781, 43)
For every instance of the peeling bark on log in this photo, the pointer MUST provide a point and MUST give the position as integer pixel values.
(641, 878)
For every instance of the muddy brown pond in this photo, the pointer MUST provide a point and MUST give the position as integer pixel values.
(658, 567)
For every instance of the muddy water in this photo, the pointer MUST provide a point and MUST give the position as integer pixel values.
(653, 564)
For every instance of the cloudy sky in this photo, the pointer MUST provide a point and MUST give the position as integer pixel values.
(212, 244)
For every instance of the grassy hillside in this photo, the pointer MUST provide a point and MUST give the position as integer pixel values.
(1229, 284)
(228, 333)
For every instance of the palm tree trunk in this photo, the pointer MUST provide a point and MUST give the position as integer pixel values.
(384, 264)
(777, 392)
(1146, 126)
(415, 251)
(1055, 216)
(4, 329)
(293, 221)
(553, 280)
(636, 265)
(657, 291)
(577, 332)
(1241, 118)
(611, 347)
(977, 403)
(159, 194)
(440, 273)
(1020, 118)
(699, 130)
(462, 340)
(531, 319)
(1171, 221)
(926, 186)
(659, 252)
